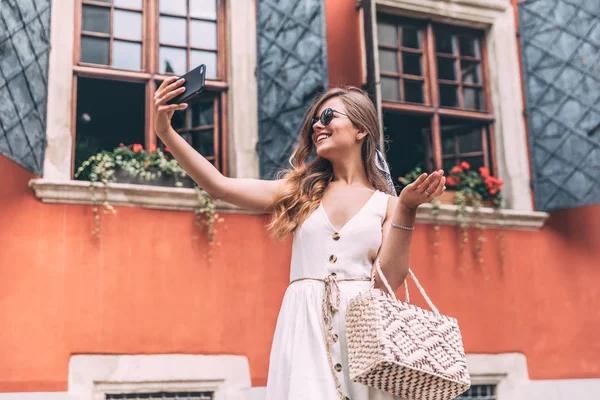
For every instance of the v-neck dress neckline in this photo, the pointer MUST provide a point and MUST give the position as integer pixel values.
(351, 218)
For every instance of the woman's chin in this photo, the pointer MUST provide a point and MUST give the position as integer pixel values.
(323, 150)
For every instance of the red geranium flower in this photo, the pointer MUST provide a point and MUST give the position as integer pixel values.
(152, 148)
(465, 165)
(137, 148)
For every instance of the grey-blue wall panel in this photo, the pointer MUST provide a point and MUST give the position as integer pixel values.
(24, 50)
(560, 46)
(291, 70)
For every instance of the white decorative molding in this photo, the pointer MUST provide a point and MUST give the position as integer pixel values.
(92, 376)
(181, 199)
(57, 158)
(477, 13)
(485, 216)
(496, 17)
(123, 194)
(508, 371)
(243, 89)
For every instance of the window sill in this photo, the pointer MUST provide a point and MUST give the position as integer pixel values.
(486, 217)
(123, 194)
(180, 199)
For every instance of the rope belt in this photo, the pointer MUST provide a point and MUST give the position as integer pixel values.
(331, 305)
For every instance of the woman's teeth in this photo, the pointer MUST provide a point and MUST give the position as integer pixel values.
(322, 137)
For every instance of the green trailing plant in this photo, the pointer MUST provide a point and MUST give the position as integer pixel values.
(472, 188)
(133, 164)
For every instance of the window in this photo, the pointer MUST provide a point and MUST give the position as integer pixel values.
(479, 392)
(124, 49)
(435, 97)
(162, 396)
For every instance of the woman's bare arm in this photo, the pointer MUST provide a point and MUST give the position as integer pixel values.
(394, 254)
(251, 194)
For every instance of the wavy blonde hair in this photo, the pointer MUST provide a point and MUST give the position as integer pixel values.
(305, 184)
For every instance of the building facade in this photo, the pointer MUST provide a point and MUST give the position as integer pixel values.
(140, 308)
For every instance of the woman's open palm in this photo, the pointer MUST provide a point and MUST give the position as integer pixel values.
(423, 189)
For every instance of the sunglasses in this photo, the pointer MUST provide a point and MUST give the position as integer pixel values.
(326, 117)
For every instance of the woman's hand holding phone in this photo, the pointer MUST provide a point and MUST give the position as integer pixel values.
(163, 112)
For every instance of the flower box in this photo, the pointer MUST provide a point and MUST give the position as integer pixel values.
(449, 197)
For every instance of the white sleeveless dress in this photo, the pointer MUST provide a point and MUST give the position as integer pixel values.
(299, 367)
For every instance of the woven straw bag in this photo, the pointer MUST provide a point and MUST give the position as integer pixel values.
(402, 349)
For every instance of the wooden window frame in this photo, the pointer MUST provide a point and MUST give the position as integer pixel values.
(432, 107)
(401, 50)
(149, 74)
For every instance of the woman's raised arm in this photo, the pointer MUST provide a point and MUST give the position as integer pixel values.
(250, 194)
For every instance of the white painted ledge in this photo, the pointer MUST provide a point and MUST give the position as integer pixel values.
(123, 194)
(180, 199)
(486, 217)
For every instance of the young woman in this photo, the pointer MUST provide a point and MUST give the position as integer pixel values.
(343, 214)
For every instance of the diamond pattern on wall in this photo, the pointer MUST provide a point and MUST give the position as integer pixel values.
(24, 50)
(292, 69)
(560, 45)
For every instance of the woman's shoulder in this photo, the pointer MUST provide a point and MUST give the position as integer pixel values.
(390, 202)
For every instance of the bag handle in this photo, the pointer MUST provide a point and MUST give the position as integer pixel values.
(391, 292)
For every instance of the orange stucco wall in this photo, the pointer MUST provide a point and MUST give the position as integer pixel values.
(144, 287)
(343, 43)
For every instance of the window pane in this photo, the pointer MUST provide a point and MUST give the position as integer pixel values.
(388, 61)
(137, 4)
(172, 60)
(473, 98)
(476, 162)
(411, 64)
(470, 142)
(448, 144)
(101, 102)
(448, 163)
(205, 57)
(172, 31)
(176, 7)
(204, 34)
(178, 119)
(444, 42)
(94, 50)
(202, 113)
(470, 72)
(386, 34)
(127, 55)
(448, 96)
(206, 9)
(446, 68)
(128, 25)
(95, 19)
(409, 142)
(411, 37)
(468, 46)
(203, 142)
(413, 91)
(390, 89)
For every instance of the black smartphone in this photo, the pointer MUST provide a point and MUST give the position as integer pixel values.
(194, 85)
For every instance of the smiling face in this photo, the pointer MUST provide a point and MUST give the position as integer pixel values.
(339, 136)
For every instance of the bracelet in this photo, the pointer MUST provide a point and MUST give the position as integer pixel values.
(406, 228)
